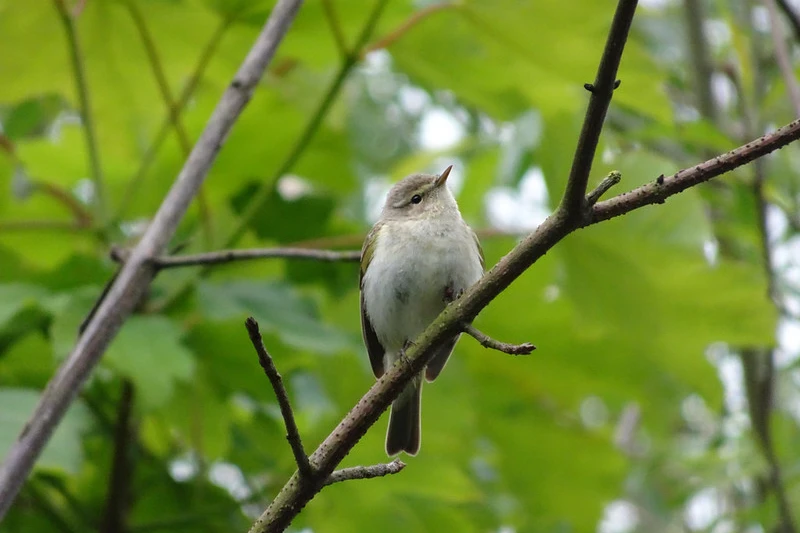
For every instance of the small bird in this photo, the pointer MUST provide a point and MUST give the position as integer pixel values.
(419, 256)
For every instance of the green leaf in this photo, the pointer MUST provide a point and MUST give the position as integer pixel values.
(14, 297)
(149, 351)
(507, 49)
(278, 309)
(63, 452)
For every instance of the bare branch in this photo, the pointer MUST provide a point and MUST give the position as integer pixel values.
(365, 472)
(487, 342)
(292, 433)
(657, 191)
(601, 91)
(229, 256)
(341, 440)
(135, 275)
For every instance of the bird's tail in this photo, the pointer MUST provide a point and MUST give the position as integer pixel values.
(404, 422)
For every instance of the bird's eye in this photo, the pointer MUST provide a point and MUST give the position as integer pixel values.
(416, 199)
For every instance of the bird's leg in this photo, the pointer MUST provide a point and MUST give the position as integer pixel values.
(406, 345)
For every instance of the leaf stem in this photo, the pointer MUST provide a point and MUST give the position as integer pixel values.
(173, 108)
(136, 181)
(349, 61)
(82, 88)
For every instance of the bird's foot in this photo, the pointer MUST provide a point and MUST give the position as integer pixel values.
(406, 346)
(450, 295)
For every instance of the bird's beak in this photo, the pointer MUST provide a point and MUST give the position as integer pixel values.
(442, 177)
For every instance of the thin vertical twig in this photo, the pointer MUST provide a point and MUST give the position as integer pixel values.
(256, 202)
(601, 90)
(275, 379)
(119, 484)
(82, 88)
(136, 181)
(336, 28)
(173, 109)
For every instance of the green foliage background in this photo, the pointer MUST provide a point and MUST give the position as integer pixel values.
(636, 318)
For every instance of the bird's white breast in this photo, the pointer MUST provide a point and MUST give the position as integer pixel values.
(405, 283)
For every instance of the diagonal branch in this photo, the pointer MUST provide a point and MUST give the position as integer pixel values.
(291, 499)
(135, 275)
(336, 28)
(292, 433)
(658, 190)
(601, 91)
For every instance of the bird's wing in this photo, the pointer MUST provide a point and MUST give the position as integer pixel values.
(480, 249)
(374, 348)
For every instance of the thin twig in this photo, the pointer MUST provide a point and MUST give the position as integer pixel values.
(135, 184)
(493, 344)
(365, 472)
(406, 26)
(782, 55)
(336, 28)
(792, 16)
(601, 91)
(82, 88)
(609, 181)
(119, 485)
(135, 275)
(292, 433)
(173, 109)
(42, 225)
(83, 217)
(228, 256)
(256, 203)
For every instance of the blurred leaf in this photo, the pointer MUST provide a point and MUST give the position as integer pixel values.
(149, 351)
(30, 118)
(14, 297)
(278, 309)
(63, 452)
